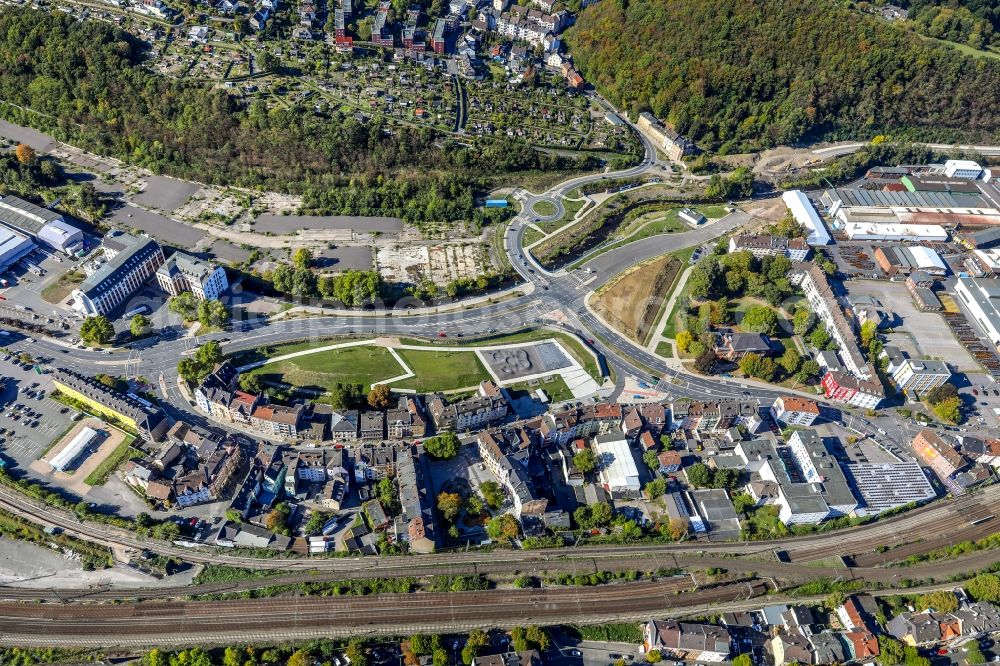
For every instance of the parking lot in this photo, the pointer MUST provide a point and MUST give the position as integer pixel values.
(31, 421)
(920, 334)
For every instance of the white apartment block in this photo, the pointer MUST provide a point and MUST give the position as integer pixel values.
(791, 410)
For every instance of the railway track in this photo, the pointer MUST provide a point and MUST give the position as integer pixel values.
(186, 622)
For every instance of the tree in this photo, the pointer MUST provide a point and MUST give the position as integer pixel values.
(656, 487)
(378, 397)
(755, 365)
(440, 657)
(25, 154)
(802, 321)
(974, 654)
(808, 370)
(317, 519)
(654, 657)
(890, 650)
(300, 658)
(941, 393)
(949, 410)
(503, 529)
(760, 319)
(252, 383)
(420, 644)
(819, 338)
(184, 305)
(449, 504)
(742, 660)
(139, 325)
(984, 587)
(493, 494)
(790, 360)
(355, 651)
(869, 332)
(941, 601)
(468, 654)
(705, 362)
(478, 639)
(742, 502)
(474, 505)
(601, 514)
(213, 313)
(444, 446)
(301, 258)
(699, 475)
(585, 461)
(347, 396)
(683, 340)
(97, 330)
(703, 282)
(387, 495)
(651, 459)
(538, 638)
(107, 380)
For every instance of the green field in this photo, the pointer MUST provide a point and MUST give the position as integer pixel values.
(532, 236)
(441, 370)
(555, 387)
(322, 370)
(665, 349)
(544, 208)
(570, 208)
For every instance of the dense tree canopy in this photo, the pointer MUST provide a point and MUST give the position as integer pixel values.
(85, 80)
(734, 75)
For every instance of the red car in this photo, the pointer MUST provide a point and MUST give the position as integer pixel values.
(442, 334)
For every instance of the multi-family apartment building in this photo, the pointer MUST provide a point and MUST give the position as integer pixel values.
(769, 245)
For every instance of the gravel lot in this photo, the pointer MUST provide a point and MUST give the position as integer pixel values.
(283, 224)
(40, 142)
(345, 257)
(160, 226)
(165, 194)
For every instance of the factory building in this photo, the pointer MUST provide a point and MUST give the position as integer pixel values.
(13, 246)
(42, 224)
(805, 214)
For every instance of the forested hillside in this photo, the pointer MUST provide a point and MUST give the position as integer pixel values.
(86, 82)
(741, 74)
(975, 23)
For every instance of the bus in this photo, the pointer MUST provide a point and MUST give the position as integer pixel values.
(142, 309)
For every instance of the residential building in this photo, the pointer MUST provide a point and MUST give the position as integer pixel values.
(768, 245)
(862, 646)
(417, 518)
(148, 421)
(344, 425)
(684, 640)
(374, 462)
(372, 426)
(712, 416)
(669, 141)
(277, 420)
(792, 410)
(938, 454)
(820, 468)
(670, 461)
(407, 420)
(470, 414)
(857, 613)
(438, 43)
(733, 346)
(130, 262)
(790, 646)
(859, 385)
(183, 272)
(511, 473)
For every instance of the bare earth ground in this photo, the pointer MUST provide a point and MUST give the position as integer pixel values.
(632, 302)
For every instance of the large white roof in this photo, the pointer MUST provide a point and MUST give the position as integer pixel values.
(805, 214)
(618, 468)
(926, 258)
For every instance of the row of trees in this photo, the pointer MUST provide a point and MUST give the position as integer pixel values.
(208, 312)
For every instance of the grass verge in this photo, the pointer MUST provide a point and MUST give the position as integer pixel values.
(101, 473)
